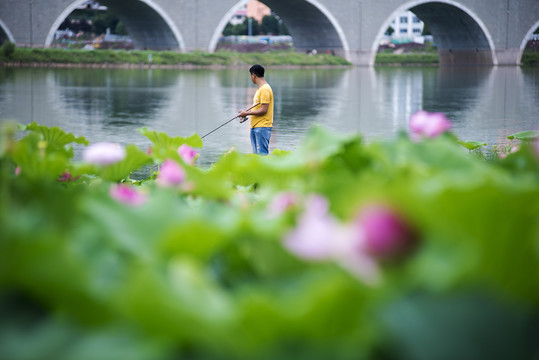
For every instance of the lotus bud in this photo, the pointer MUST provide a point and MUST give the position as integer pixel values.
(188, 154)
(385, 234)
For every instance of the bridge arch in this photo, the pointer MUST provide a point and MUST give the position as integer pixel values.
(528, 34)
(460, 35)
(147, 24)
(310, 23)
(5, 34)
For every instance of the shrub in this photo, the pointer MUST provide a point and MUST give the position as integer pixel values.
(530, 58)
(7, 49)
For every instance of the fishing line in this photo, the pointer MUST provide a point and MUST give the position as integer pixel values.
(235, 117)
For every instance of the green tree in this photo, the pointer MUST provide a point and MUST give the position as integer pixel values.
(270, 25)
(103, 21)
(255, 27)
(229, 30)
(243, 28)
(120, 29)
(7, 49)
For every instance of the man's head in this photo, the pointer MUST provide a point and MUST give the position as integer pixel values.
(257, 70)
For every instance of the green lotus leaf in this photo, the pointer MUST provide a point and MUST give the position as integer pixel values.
(163, 143)
(472, 145)
(55, 136)
(529, 135)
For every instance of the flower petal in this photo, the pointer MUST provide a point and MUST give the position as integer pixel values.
(103, 153)
(188, 154)
(170, 174)
(127, 194)
(425, 124)
(386, 234)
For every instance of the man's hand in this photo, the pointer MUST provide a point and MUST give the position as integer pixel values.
(258, 112)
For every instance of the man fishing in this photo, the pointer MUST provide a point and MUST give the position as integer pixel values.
(262, 114)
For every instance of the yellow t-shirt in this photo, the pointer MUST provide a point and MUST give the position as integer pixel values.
(264, 95)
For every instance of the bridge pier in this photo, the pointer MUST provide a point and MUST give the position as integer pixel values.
(503, 57)
(509, 56)
(360, 57)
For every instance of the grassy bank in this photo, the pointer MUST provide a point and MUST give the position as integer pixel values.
(72, 57)
(407, 59)
(27, 56)
(530, 58)
(407, 54)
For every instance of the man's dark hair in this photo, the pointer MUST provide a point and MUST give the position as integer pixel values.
(258, 70)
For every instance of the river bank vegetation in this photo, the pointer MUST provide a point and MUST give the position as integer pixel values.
(341, 249)
(27, 56)
(15, 56)
(529, 58)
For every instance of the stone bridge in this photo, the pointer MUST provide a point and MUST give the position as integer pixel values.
(491, 32)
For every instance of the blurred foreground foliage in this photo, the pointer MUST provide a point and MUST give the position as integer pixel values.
(200, 272)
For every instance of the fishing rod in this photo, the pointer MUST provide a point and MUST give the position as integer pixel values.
(235, 117)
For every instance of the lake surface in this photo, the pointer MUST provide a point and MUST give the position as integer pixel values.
(484, 103)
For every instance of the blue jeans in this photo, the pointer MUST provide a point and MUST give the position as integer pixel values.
(260, 137)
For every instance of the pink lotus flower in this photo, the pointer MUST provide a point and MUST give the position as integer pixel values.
(127, 194)
(188, 154)
(103, 153)
(282, 202)
(170, 174)
(312, 237)
(425, 124)
(319, 236)
(18, 170)
(377, 235)
(385, 235)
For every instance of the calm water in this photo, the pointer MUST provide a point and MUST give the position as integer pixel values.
(484, 103)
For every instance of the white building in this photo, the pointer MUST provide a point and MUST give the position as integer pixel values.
(407, 28)
(239, 16)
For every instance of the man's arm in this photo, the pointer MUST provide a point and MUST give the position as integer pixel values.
(261, 111)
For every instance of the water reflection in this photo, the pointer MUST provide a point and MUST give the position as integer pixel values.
(118, 97)
(485, 103)
(299, 94)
